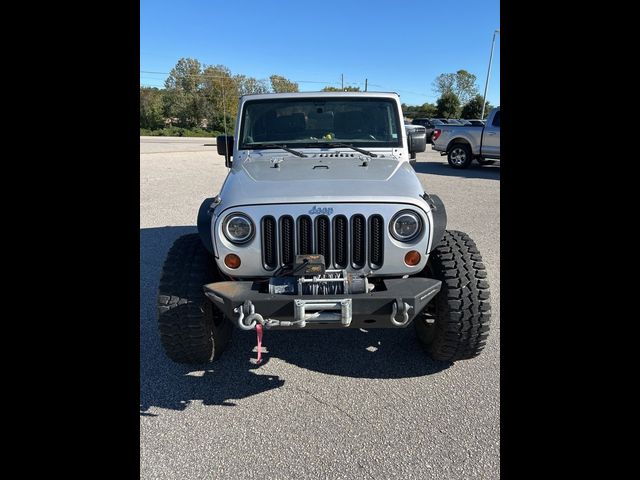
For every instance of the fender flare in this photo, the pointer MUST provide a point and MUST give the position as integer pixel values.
(439, 214)
(204, 224)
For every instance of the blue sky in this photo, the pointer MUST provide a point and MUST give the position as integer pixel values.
(398, 46)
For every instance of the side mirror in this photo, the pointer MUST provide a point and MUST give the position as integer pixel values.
(224, 143)
(417, 142)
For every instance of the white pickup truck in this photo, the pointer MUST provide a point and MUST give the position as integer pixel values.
(463, 143)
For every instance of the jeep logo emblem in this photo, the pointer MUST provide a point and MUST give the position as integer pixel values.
(320, 211)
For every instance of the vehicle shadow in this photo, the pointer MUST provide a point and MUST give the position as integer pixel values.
(374, 353)
(475, 170)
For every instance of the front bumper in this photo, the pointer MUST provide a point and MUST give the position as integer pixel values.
(394, 306)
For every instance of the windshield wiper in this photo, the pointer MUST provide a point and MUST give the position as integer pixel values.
(366, 152)
(273, 145)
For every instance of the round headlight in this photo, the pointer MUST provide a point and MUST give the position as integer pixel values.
(406, 226)
(238, 228)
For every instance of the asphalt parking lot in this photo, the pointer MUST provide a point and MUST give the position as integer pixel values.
(325, 403)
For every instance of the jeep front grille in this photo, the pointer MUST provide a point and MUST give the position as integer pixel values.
(357, 240)
(376, 241)
(323, 241)
(305, 232)
(288, 239)
(343, 241)
(269, 242)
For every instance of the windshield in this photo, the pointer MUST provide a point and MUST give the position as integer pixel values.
(308, 122)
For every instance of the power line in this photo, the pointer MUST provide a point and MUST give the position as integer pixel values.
(212, 76)
(209, 75)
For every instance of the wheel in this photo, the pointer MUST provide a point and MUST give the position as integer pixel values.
(482, 161)
(455, 324)
(459, 155)
(192, 329)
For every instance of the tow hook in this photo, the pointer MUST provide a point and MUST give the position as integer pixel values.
(251, 321)
(248, 322)
(248, 319)
(400, 308)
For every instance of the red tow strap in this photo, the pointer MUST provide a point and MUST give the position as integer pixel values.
(259, 333)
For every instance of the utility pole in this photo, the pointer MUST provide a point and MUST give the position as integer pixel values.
(365, 84)
(342, 81)
(486, 84)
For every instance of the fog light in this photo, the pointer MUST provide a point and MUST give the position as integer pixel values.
(412, 258)
(233, 261)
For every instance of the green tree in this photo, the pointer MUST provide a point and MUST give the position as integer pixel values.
(151, 116)
(444, 83)
(220, 91)
(448, 105)
(428, 110)
(249, 85)
(487, 110)
(461, 83)
(473, 108)
(182, 98)
(465, 87)
(280, 84)
(345, 89)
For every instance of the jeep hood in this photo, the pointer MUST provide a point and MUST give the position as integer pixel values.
(321, 180)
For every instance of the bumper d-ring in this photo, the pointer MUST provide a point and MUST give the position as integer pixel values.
(405, 307)
(250, 322)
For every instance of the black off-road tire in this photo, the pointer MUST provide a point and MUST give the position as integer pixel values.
(455, 324)
(459, 155)
(192, 330)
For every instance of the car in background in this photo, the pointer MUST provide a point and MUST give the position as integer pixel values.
(477, 122)
(448, 121)
(430, 124)
(464, 143)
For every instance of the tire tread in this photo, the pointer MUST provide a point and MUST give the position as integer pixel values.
(463, 304)
(191, 329)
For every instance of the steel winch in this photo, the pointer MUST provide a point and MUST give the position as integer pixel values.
(308, 276)
(332, 282)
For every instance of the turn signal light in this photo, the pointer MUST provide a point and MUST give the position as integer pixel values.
(233, 261)
(412, 258)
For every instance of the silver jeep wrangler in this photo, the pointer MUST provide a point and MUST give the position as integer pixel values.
(322, 223)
